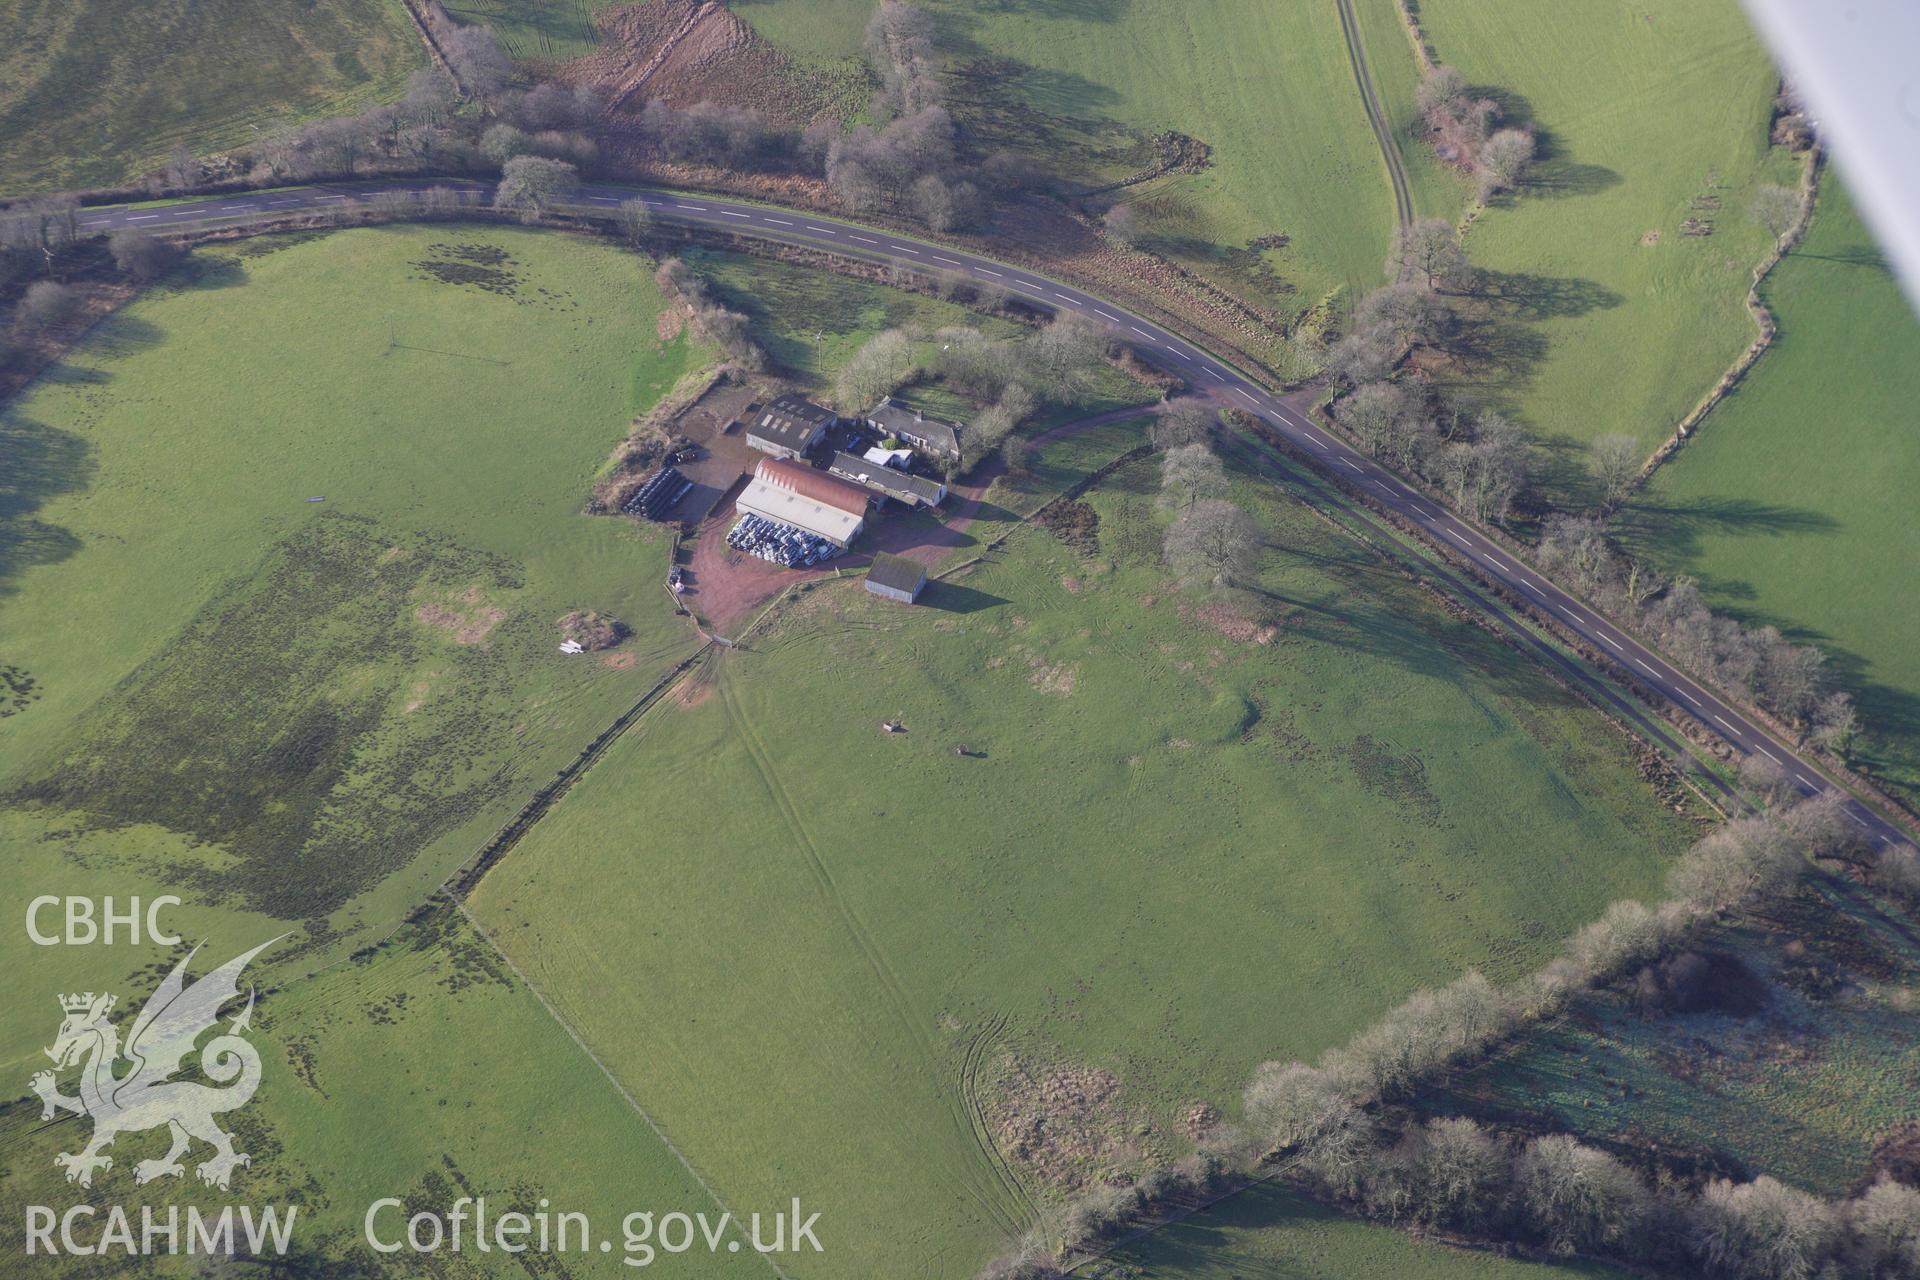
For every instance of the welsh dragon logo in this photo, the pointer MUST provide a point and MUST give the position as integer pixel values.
(146, 1096)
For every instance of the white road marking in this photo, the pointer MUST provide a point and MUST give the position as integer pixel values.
(779, 222)
(1381, 487)
(1348, 463)
(1216, 375)
(1316, 440)
(729, 213)
(97, 224)
(952, 262)
(317, 199)
(1768, 754)
(1529, 586)
(902, 248)
(1689, 697)
(697, 208)
(1142, 332)
(825, 231)
(1241, 392)
(603, 199)
(1641, 663)
(1724, 725)
(1616, 644)
(1064, 298)
(1034, 289)
(229, 208)
(141, 217)
(1457, 538)
(287, 201)
(862, 239)
(1097, 311)
(1571, 615)
(1809, 781)
(986, 272)
(1857, 820)
(1495, 561)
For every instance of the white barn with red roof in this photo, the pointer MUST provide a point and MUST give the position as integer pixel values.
(793, 493)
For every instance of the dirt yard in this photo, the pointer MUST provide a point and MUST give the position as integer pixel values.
(723, 458)
(726, 587)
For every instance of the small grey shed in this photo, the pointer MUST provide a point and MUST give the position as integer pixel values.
(896, 577)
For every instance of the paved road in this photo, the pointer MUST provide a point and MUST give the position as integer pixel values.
(1154, 343)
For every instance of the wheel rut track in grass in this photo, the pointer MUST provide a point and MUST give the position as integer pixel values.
(992, 1198)
(979, 1045)
(1377, 119)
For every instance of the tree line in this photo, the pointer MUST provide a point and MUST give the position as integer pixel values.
(1331, 1126)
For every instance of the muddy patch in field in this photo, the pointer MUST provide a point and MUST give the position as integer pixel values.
(1069, 1126)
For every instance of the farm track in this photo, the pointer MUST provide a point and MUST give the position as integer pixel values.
(1377, 118)
(961, 1116)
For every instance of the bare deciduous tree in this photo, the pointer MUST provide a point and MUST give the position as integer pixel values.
(1578, 1198)
(1430, 249)
(1214, 543)
(1763, 1230)
(1504, 159)
(1183, 422)
(636, 221)
(532, 185)
(1614, 461)
(1188, 474)
(877, 369)
(44, 307)
(144, 257)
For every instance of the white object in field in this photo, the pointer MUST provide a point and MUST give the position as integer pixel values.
(572, 646)
(1854, 64)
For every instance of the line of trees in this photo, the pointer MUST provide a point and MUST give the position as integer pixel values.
(1788, 680)
(1323, 1124)
(1212, 545)
(1059, 364)
(725, 328)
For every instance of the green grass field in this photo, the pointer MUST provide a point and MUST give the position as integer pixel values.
(424, 1071)
(1175, 850)
(93, 93)
(1793, 504)
(364, 686)
(1079, 86)
(1595, 329)
(1269, 1232)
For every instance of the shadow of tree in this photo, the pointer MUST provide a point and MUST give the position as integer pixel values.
(42, 462)
(208, 271)
(1668, 533)
(121, 335)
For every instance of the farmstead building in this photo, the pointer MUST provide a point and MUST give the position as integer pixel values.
(923, 431)
(789, 426)
(896, 577)
(796, 495)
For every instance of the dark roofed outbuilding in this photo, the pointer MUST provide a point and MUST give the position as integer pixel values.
(896, 577)
(911, 490)
(789, 426)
